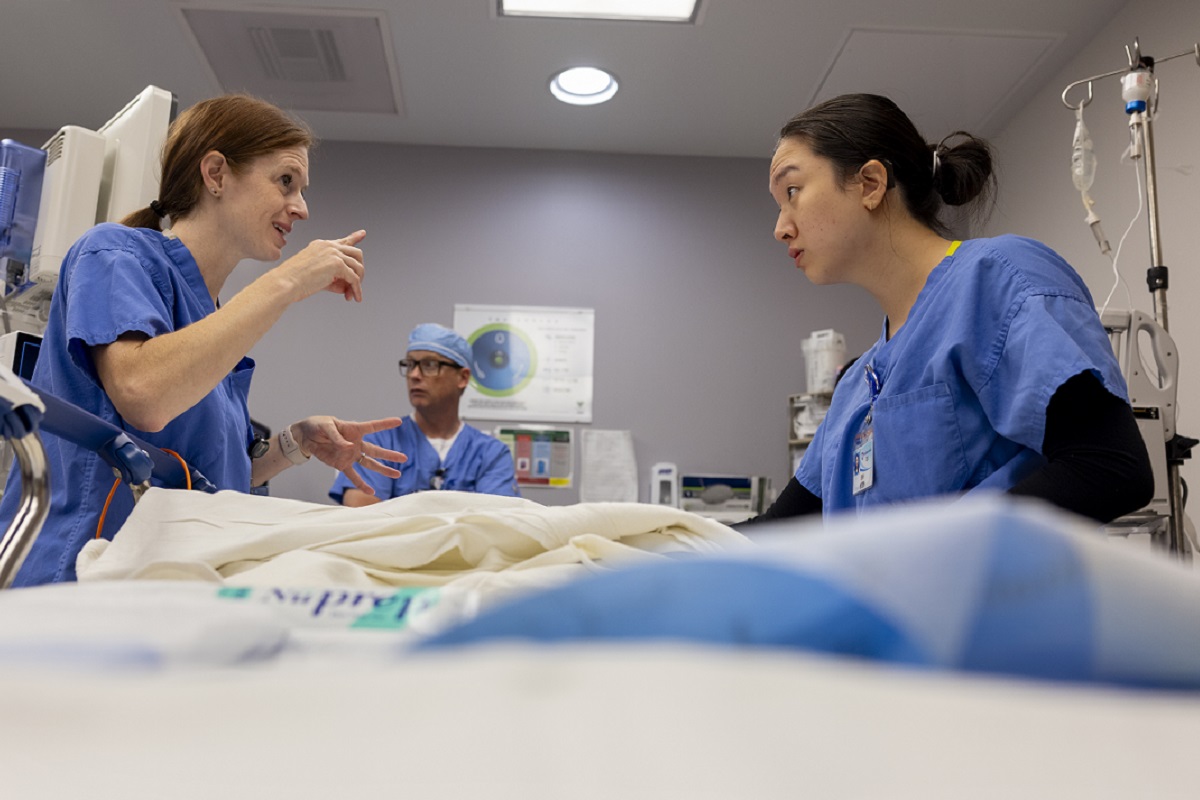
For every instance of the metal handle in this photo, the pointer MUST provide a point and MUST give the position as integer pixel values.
(35, 504)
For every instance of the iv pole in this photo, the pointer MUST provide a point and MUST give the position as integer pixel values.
(1139, 89)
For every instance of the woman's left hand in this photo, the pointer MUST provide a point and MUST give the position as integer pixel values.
(340, 444)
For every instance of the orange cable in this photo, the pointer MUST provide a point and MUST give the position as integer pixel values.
(108, 500)
(186, 472)
(104, 511)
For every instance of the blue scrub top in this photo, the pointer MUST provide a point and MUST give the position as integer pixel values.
(476, 463)
(118, 280)
(1000, 325)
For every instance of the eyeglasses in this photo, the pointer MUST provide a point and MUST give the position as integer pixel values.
(430, 367)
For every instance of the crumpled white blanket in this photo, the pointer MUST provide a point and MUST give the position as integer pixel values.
(425, 539)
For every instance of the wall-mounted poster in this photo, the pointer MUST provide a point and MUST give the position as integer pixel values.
(542, 456)
(528, 363)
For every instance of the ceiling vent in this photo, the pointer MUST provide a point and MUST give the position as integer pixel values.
(310, 60)
(298, 54)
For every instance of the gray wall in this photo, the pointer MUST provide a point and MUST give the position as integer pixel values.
(699, 313)
(1037, 197)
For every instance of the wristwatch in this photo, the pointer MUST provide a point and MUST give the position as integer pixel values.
(290, 447)
(259, 447)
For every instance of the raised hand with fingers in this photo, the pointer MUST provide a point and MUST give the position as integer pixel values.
(340, 444)
(332, 265)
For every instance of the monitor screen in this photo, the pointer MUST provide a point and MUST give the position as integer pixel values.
(19, 352)
(25, 356)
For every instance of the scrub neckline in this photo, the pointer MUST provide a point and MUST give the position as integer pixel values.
(918, 305)
(179, 254)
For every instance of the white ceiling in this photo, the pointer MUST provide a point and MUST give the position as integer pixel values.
(721, 87)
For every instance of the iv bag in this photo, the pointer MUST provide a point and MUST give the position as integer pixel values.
(1083, 159)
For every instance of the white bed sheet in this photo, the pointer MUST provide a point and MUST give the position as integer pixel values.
(423, 539)
(588, 721)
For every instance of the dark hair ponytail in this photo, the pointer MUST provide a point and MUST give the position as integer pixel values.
(852, 129)
(964, 170)
(142, 218)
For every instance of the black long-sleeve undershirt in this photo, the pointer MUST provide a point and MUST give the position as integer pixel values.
(1097, 463)
(1096, 460)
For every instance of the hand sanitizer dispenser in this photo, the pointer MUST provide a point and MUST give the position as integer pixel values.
(664, 485)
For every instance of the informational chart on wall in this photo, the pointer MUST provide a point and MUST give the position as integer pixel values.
(542, 456)
(528, 363)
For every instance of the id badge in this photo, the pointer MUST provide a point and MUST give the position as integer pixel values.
(864, 459)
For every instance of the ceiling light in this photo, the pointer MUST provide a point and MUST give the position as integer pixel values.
(654, 10)
(583, 86)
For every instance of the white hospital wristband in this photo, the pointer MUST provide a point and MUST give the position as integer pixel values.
(291, 448)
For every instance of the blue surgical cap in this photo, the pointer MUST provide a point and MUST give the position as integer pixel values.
(439, 339)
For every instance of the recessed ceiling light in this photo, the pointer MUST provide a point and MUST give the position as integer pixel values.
(654, 10)
(583, 86)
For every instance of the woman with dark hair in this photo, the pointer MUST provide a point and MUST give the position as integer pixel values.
(992, 370)
(138, 337)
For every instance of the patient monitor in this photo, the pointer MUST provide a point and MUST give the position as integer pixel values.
(89, 177)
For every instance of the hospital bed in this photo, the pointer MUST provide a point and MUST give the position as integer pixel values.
(453, 645)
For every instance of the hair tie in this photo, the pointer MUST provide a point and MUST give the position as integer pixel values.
(157, 208)
(941, 147)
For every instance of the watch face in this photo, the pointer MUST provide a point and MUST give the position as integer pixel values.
(259, 447)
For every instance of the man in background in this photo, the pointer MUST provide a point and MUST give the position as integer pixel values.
(443, 451)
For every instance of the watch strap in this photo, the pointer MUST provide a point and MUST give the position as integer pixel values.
(290, 447)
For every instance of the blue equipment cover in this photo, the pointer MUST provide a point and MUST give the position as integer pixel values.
(22, 169)
(986, 585)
